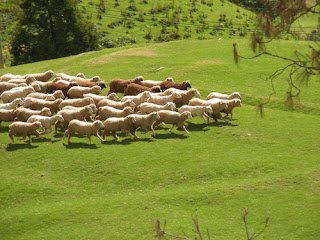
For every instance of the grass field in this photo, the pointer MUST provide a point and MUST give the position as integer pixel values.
(114, 190)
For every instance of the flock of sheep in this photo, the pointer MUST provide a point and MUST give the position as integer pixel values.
(34, 103)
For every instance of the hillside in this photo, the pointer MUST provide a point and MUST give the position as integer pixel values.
(114, 190)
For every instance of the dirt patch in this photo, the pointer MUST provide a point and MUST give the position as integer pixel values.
(117, 56)
(209, 62)
(314, 182)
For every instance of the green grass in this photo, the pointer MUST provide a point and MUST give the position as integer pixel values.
(50, 189)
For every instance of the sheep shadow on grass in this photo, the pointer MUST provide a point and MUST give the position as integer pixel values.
(19, 146)
(171, 135)
(74, 145)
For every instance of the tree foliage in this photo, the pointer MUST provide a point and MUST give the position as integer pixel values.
(48, 29)
(276, 21)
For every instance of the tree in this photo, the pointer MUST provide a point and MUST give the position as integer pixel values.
(48, 29)
(276, 19)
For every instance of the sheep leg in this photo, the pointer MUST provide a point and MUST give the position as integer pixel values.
(98, 136)
(89, 137)
(183, 126)
(114, 134)
(69, 136)
(204, 119)
(170, 130)
(11, 136)
(65, 134)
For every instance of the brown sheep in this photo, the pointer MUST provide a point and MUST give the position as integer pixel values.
(53, 86)
(119, 85)
(182, 85)
(134, 89)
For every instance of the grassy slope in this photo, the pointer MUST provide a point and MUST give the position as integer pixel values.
(51, 189)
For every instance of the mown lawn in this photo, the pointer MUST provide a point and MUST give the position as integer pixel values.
(114, 190)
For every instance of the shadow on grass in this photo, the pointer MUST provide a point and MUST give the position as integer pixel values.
(171, 135)
(19, 146)
(197, 127)
(4, 129)
(222, 124)
(72, 145)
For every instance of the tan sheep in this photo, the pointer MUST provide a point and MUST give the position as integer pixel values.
(151, 107)
(38, 104)
(46, 121)
(107, 112)
(198, 111)
(24, 113)
(4, 86)
(144, 122)
(119, 85)
(42, 77)
(116, 124)
(7, 115)
(24, 129)
(174, 118)
(118, 105)
(77, 102)
(97, 98)
(93, 108)
(93, 79)
(84, 128)
(77, 91)
(223, 96)
(20, 92)
(12, 105)
(70, 114)
(162, 100)
(43, 85)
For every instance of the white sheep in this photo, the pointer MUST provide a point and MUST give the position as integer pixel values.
(151, 107)
(19, 92)
(42, 77)
(197, 111)
(24, 129)
(6, 77)
(118, 105)
(153, 83)
(24, 113)
(223, 96)
(97, 98)
(77, 91)
(174, 118)
(116, 124)
(38, 104)
(217, 106)
(93, 79)
(70, 114)
(77, 102)
(47, 96)
(93, 107)
(138, 99)
(231, 104)
(28, 80)
(42, 86)
(144, 122)
(84, 128)
(4, 86)
(46, 121)
(12, 105)
(185, 95)
(107, 112)
(162, 100)
(7, 115)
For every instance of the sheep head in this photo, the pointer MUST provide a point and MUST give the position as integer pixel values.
(186, 84)
(138, 80)
(186, 115)
(98, 124)
(58, 118)
(155, 89)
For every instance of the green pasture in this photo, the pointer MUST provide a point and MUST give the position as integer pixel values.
(115, 190)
